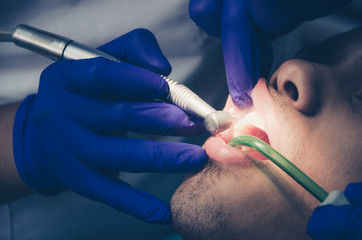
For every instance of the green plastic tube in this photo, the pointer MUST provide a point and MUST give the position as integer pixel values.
(281, 162)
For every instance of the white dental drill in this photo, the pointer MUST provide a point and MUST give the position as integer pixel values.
(57, 47)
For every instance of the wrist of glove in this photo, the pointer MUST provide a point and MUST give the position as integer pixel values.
(73, 130)
(25, 152)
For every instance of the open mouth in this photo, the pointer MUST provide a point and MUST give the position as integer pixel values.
(217, 149)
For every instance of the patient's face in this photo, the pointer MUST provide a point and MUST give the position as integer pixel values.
(311, 112)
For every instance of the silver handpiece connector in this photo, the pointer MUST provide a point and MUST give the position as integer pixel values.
(57, 47)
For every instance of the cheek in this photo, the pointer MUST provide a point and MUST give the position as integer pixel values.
(288, 131)
(326, 148)
(333, 158)
(262, 197)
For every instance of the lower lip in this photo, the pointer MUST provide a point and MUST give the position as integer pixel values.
(220, 152)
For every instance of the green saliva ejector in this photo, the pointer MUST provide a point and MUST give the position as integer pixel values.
(306, 182)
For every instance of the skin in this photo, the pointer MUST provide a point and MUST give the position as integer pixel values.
(11, 185)
(311, 110)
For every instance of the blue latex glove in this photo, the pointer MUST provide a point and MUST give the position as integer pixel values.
(339, 222)
(73, 130)
(247, 27)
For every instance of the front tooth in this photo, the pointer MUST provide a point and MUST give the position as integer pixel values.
(239, 124)
(253, 119)
(244, 148)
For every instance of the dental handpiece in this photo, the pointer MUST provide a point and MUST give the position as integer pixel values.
(58, 47)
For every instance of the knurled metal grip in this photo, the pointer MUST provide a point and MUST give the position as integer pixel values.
(183, 97)
(45, 43)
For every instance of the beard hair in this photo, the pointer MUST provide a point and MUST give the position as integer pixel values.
(196, 211)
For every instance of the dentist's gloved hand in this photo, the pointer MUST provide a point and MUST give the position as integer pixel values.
(247, 27)
(339, 222)
(73, 130)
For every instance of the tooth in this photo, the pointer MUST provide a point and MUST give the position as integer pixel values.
(253, 119)
(240, 123)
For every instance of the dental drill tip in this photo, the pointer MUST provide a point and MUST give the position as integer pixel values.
(6, 34)
(218, 121)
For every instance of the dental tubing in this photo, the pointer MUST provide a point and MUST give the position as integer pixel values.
(288, 167)
(58, 47)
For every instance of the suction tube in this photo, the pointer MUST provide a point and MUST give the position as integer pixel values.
(288, 167)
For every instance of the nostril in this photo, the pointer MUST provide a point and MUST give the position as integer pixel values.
(291, 90)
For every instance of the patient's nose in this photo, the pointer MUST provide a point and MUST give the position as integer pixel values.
(298, 82)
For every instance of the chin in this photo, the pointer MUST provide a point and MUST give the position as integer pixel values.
(200, 211)
(195, 218)
(214, 204)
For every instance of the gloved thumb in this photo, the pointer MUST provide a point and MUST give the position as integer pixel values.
(335, 222)
(140, 48)
(247, 54)
(336, 218)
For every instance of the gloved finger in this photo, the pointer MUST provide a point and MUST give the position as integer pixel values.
(129, 155)
(335, 222)
(112, 192)
(207, 15)
(139, 47)
(135, 155)
(241, 54)
(269, 15)
(142, 117)
(247, 53)
(104, 78)
(353, 193)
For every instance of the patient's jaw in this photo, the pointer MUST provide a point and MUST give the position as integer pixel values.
(236, 196)
(311, 112)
